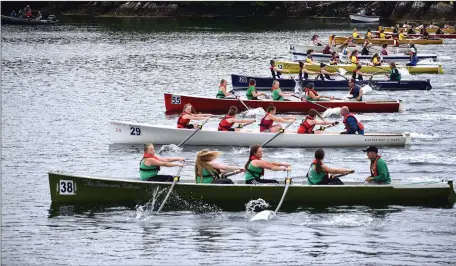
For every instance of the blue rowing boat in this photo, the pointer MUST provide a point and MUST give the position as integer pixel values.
(297, 56)
(263, 83)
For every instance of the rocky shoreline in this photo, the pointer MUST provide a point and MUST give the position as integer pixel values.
(415, 10)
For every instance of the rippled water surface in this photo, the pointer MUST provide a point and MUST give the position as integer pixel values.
(61, 85)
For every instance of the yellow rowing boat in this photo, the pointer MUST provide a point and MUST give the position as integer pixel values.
(293, 67)
(390, 29)
(341, 40)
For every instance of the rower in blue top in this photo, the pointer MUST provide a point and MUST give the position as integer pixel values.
(355, 90)
(352, 125)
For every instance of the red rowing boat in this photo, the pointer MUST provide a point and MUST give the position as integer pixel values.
(174, 103)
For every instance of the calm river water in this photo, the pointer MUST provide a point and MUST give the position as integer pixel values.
(61, 85)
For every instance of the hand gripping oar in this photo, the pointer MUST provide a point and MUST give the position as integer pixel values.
(277, 134)
(176, 178)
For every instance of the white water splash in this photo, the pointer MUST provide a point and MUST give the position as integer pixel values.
(240, 150)
(255, 112)
(144, 212)
(170, 148)
(263, 216)
(416, 135)
(444, 58)
(332, 112)
(253, 205)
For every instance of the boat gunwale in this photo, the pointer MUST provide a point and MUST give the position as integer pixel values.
(394, 185)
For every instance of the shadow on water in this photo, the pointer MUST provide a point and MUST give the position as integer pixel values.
(212, 24)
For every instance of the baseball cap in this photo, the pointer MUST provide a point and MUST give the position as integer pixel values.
(371, 148)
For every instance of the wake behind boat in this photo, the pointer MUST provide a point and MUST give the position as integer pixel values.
(174, 103)
(140, 133)
(240, 82)
(79, 189)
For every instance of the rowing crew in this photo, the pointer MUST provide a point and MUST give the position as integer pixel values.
(209, 171)
(307, 126)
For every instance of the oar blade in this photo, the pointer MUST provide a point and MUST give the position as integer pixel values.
(263, 216)
(366, 89)
(331, 112)
(254, 112)
(170, 147)
(342, 71)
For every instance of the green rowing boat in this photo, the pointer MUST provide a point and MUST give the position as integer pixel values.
(72, 189)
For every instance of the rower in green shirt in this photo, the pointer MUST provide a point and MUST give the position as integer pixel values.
(222, 91)
(379, 170)
(277, 94)
(208, 171)
(252, 93)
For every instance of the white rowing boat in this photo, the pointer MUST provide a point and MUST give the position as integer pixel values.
(140, 133)
(319, 49)
(364, 18)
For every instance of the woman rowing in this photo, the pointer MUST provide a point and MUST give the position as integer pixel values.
(312, 95)
(255, 166)
(376, 60)
(252, 93)
(354, 57)
(349, 41)
(355, 33)
(276, 72)
(394, 73)
(332, 40)
(319, 173)
(316, 41)
(358, 74)
(277, 94)
(355, 90)
(384, 50)
(401, 35)
(334, 59)
(304, 73)
(309, 58)
(230, 119)
(208, 171)
(369, 34)
(382, 35)
(325, 74)
(188, 114)
(150, 164)
(267, 122)
(308, 124)
(222, 91)
(366, 45)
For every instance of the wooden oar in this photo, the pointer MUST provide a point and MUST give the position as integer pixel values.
(277, 134)
(175, 180)
(287, 184)
(185, 140)
(243, 103)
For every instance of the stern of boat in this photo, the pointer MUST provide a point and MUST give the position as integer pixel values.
(440, 71)
(452, 197)
(401, 106)
(428, 85)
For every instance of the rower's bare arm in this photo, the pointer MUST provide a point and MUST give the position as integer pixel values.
(335, 170)
(223, 167)
(173, 159)
(269, 166)
(319, 122)
(152, 161)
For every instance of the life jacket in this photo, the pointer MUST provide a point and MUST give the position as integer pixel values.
(373, 167)
(326, 50)
(181, 122)
(378, 63)
(356, 58)
(305, 127)
(148, 155)
(309, 59)
(355, 75)
(395, 43)
(224, 125)
(314, 162)
(303, 76)
(253, 157)
(220, 93)
(359, 124)
(306, 90)
(395, 75)
(334, 60)
(265, 124)
(274, 73)
(384, 51)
